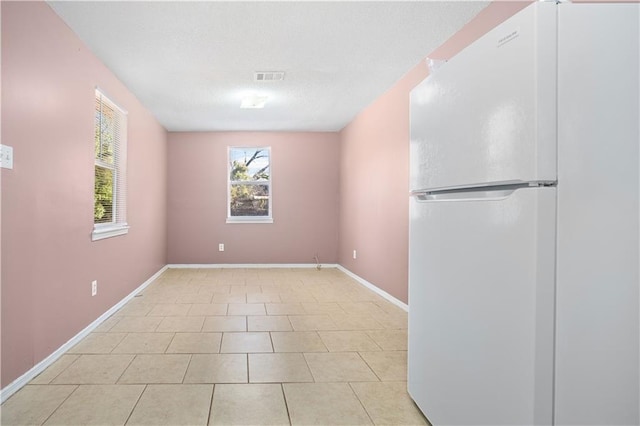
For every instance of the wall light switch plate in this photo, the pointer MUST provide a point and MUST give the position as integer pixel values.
(6, 157)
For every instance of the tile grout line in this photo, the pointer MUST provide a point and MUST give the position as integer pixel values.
(210, 412)
(136, 404)
(184, 375)
(60, 405)
(126, 368)
(360, 401)
(368, 365)
(286, 405)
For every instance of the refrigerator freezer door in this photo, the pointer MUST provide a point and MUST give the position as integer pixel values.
(488, 115)
(481, 297)
(598, 216)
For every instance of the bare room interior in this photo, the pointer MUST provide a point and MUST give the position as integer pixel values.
(205, 210)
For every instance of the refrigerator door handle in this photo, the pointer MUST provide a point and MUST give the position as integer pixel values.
(476, 193)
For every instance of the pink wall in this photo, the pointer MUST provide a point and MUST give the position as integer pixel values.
(48, 258)
(305, 199)
(374, 170)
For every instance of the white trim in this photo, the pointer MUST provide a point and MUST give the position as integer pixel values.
(110, 99)
(17, 384)
(249, 219)
(102, 232)
(375, 289)
(248, 265)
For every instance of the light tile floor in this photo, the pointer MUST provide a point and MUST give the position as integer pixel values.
(233, 347)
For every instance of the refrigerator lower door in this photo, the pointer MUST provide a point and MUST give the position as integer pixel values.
(481, 308)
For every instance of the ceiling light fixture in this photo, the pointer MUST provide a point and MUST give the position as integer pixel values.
(268, 76)
(253, 101)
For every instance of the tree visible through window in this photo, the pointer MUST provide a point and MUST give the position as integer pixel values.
(250, 183)
(109, 196)
(105, 166)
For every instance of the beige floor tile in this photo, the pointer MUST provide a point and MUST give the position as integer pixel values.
(208, 309)
(195, 343)
(396, 321)
(312, 322)
(339, 367)
(248, 404)
(246, 343)
(388, 365)
(388, 403)
(97, 405)
(229, 298)
(33, 404)
(94, 369)
(269, 323)
(324, 404)
(220, 323)
(160, 296)
(285, 309)
(356, 322)
(245, 289)
(173, 405)
(362, 308)
(297, 341)
(348, 341)
(136, 325)
(53, 370)
(292, 297)
(246, 309)
(329, 296)
(107, 325)
(263, 298)
(169, 310)
(214, 288)
(140, 343)
(195, 298)
(134, 309)
(363, 295)
(217, 368)
(278, 368)
(323, 308)
(390, 340)
(166, 368)
(98, 343)
(181, 324)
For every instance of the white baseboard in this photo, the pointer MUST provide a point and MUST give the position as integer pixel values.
(248, 265)
(17, 384)
(375, 289)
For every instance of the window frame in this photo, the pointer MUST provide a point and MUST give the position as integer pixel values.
(230, 183)
(119, 225)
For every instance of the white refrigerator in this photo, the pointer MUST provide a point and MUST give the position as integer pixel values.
(524, 223)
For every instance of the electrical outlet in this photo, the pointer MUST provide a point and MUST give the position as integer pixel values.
(220, 247)
(355, 254)
(94, 287)
(6, 157)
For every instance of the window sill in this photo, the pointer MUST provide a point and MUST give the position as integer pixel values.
(102, 232)
(249, 220)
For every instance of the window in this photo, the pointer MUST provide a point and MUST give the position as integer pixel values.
(249, 185)
(110, 185)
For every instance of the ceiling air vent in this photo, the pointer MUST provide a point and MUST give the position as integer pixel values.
(268, 76)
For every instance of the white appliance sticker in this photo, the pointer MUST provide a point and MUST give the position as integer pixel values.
(507, 38)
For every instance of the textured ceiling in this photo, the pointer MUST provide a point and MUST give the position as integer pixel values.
(190, 63)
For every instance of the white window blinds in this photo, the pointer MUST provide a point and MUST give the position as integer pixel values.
(110, 185)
